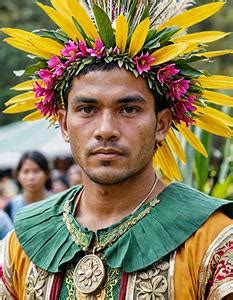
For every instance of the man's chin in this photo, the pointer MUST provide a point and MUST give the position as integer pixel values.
(108, 178)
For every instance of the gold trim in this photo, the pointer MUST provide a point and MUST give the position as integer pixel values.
(130, 286)
(171, 289)
(204, 272)
(226, 288)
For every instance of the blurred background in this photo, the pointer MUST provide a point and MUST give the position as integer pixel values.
(213, 175)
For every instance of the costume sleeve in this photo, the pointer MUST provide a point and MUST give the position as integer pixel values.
(216, 273)
(14, 267)
(6, 286)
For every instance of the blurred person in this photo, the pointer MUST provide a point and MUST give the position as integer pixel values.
(121, 90)
(33, 177)
(59, 184)
(74, 175)
(5, 224)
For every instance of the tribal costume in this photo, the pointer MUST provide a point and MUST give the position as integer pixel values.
(178, 246)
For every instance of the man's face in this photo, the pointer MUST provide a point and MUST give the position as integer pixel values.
(111, 124)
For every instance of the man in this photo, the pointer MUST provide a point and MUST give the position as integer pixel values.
(123, 234)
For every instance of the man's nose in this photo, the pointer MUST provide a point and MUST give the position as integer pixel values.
(107, 127)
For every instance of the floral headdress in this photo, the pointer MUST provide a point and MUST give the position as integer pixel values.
(147, 38)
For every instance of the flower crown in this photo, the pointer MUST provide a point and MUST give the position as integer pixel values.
(140, 36)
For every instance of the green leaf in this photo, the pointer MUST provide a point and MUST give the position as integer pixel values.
(104, 26)
(187, 70)
(30, 70)
(79, 27)
(146, 13)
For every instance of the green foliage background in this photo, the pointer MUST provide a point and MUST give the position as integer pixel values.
(212, 175)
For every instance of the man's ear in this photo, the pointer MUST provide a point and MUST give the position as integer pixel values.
(62, 122)
(164, 120)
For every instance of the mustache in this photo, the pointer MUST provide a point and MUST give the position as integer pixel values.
(110, 146)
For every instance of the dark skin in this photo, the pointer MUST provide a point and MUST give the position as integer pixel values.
(113, 131)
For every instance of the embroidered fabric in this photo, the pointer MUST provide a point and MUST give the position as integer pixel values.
(216, 275)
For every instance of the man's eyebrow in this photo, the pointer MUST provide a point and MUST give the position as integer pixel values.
(87, 100)
(131, 99)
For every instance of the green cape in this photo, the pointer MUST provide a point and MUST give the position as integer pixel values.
(181, 211)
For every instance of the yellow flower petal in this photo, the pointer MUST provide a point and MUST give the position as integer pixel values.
(26, 85)
(121, 32)
(193, 16)
(216, 82)
(65, 24)
(190, 47)
(36, 115)
(168, 163)
(175, 145)
(167, 53)
(213, 126)
(61, 6)
(27, 47)
(21, 98)
(217, 98)
(215, 53)
(191, 138)
(20, 107)
(216, 114)
(18, 33)
(48, 45)
(201, 37)
(81, 15)
(138, 37)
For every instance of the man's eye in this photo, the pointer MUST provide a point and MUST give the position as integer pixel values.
(129, 110)
(87, 109)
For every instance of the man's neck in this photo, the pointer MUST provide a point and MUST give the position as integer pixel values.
(103, 205)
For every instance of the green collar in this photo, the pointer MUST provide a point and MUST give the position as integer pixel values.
(48, 244)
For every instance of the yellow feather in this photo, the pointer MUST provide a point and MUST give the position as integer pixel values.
(159, 162)
(61, 6)
(18, 33)
(168, 163)
(81, 15)
(26, 85)
(65, 24)
(215, 53)
(191, 138)
(190, 47)
(201, 37)
(21, 98)
(20, 107)
(121, 32)
(138, 37)
(36, 115)
(213, 126)
(175, 144)
(27, 47)
(47, 44)
(193, 16)
(167, 53)
(217, 98)
(216, 82)
(216, 114)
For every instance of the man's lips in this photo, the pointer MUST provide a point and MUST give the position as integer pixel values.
(107, 153)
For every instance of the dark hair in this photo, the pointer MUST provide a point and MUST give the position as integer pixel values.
(62, 179)
(40, 160)
(160, 102)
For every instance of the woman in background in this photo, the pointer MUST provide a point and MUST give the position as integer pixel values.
(33, 176)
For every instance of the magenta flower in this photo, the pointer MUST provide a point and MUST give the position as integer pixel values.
(178, 88)
(183, 110)
(47, 76)
(56, 65)
(70, 51)
(83, 50)
(165, 73)
(97, 50)
(143, 62)
(47, 108)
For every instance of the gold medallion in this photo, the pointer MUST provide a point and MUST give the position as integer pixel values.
(89, 274)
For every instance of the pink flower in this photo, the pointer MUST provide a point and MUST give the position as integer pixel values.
(143, 62)
(183, 110)
(47, 76)
(56, 65)
(178, 88)
(166, 73)
(83, 50)
(47, 108)
(97, 50)
(40, 91)
(71, 50)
